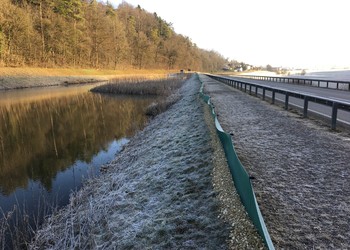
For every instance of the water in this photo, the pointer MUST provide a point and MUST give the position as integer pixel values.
(340, 75)
(332, 75)
(51, 139)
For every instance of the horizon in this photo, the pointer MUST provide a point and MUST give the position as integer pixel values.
(292, 34)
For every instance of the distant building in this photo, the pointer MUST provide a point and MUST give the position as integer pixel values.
(226, 68)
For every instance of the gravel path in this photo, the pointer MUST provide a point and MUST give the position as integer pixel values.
(168, 189)
(301, 169)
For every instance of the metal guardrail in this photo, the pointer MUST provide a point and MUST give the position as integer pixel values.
(335, 84)
(334, 103)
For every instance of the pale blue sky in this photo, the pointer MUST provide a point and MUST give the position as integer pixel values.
(299, 33)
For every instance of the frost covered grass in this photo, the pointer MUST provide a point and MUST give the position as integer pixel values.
(157, 193)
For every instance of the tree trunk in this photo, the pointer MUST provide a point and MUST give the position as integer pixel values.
(42, 32)
(75, 43)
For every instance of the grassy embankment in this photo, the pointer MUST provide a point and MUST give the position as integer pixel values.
(16, 78)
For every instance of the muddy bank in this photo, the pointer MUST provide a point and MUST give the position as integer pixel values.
(301, 170)
(161, 192)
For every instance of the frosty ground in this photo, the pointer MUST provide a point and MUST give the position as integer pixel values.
(301, 169)
(168, 189)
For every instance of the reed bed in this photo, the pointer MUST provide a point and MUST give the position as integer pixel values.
(164, 88)
(140, 86)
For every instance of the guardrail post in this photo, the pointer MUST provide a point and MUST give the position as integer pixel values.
(250, 89)
(263, 93)
(330, 102)
(306, 105)
(286, 101)
(334, 115)
(256, 90)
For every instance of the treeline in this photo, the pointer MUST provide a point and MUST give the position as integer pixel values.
(87, 33)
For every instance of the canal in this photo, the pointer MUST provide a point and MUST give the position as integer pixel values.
(51, 139)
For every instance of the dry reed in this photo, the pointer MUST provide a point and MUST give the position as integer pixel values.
(165, 88)
(140, 86)
(18, 226)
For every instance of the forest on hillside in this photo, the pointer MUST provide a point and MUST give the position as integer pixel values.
(87, 33)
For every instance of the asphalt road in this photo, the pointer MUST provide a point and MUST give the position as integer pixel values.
(323, 110)
(301, 171)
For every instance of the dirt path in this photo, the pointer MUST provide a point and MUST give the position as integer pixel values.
(301, 170)
(163, 191)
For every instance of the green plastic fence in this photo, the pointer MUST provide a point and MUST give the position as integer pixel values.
(240, 177)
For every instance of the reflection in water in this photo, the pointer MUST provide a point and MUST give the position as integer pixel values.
(50, 142)
(40, 139)
(38, 202)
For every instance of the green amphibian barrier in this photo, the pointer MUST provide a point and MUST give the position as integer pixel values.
(240, 177)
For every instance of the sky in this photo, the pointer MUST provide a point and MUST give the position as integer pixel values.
(282, 33)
